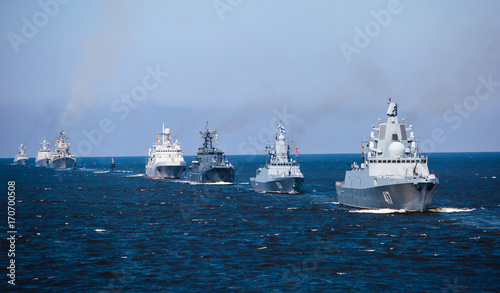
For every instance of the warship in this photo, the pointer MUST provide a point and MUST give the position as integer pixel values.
(43, 156)
(281, 173)
(392, 175)
(210, 164)
(21, 158)
(62, 157)
(165, 159)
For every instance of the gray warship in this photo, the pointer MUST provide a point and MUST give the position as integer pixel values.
(165, 159)
(210, 164)
(21, 158)
(43, 156)
(392, 174)
(280, 174)
(62, 157)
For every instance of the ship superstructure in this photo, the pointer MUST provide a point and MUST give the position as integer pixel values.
(281, 173)
(62, 157)
(21, 158)
(165, 158)
(210, 164)
(44, 154)
(392, 175)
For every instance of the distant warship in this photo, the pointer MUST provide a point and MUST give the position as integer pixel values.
(280, 173)
(43, 156)
(62, 157)
(165, 159)
(21, 158)
(392, 175)
(210, 164)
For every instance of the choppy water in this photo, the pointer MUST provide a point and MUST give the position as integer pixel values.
(91, 230)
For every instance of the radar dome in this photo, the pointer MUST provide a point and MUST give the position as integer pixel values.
(397, 149)
(281, 137)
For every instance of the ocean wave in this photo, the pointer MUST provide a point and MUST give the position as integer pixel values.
(210, 183)
(135, 175)
(451, 210)
(377, 211)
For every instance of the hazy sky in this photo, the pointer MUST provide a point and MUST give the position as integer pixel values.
(111, 72)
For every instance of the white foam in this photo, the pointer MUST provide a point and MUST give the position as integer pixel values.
(377, 211)
(135, 175)
(209, 183)
(451, 210)
(261, 248)
(100, 230)
(332, 202)
(219, 183)
(101, 172)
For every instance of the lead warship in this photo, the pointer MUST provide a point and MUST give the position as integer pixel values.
(21, 158)
(281, 173)
(62, 157)
(210, 164)
(43, 156)
(165, 159)
(392, 174)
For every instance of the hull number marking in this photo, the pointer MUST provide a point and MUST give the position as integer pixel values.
(387, 197)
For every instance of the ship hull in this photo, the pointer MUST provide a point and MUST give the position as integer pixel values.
(166, 172)
(63, 163)
(21, 162)
(42, 163)
(404, 196)
(281, 185)
(213, 175)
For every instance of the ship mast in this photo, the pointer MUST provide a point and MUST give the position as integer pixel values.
(207, 135)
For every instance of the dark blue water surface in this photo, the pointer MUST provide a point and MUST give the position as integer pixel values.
(90, 230)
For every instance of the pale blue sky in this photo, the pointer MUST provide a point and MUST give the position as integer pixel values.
(240, 68)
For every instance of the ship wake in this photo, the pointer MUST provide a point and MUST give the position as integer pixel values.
(450, 210)
(377, 211)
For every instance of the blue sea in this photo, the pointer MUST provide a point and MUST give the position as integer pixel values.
(92, 230)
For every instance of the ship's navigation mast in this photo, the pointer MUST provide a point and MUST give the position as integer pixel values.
(207, 135)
